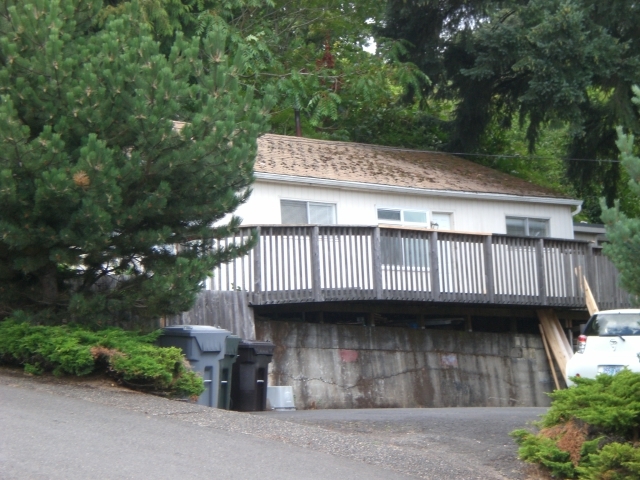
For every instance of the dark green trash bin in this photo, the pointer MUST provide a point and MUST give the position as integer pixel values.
(250, 376)
(211, 352)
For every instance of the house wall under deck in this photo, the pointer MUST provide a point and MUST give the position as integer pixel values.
(348, 366)
(394, 354)
(358, 207)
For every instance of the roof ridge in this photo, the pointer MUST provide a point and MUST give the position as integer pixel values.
(370, 145)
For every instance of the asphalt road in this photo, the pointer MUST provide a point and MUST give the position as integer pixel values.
(65, 428)
(47, 436)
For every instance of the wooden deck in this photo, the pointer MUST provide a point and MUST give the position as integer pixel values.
(294, 264)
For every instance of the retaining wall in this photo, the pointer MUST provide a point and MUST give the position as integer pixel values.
(347, 366)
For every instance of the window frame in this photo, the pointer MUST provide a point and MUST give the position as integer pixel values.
(399, 210)
(431, 222)
(402, 220)
(308, 203)
(428, 223)
(547, 221)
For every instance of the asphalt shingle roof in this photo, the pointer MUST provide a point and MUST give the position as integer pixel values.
(355, 162)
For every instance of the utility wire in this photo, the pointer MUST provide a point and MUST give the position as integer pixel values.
(489, 155)
(493, 155)
(533, 157)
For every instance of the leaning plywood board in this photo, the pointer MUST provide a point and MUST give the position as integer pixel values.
(549, 359)
(558, 343)
(592, 306)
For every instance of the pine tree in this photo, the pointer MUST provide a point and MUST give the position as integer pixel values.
(97, 185)
(623, 232)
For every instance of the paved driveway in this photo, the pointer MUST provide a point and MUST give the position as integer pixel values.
(53, 428)
(473, 437)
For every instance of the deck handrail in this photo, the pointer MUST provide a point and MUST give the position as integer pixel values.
(311, 263)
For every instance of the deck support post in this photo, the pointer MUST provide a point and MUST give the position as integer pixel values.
(434, 264)
(257, 269)
(488, 269)
(590, 268)
(315, 265)
(542, 277)
(376, 257)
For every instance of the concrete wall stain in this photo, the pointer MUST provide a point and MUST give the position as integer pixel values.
(348, 356)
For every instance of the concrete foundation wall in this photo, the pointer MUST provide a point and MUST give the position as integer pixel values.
(344, 366)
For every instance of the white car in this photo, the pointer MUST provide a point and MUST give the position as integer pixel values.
(609, 343)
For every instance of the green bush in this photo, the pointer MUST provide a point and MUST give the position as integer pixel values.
(544, 451)
(129, 357)
(591, 430)
(610, 404)
(616, 461)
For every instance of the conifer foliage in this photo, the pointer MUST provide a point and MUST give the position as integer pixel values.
(590, 432)
(106, 208)
(623, 231)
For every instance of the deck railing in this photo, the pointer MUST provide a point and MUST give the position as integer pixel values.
(292, 264)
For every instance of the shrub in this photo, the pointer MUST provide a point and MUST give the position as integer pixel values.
(616, 461)
(591, 430)
(544, 451)
(129, 357)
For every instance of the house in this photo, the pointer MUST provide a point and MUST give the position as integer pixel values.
(397, 224)
(389, 277)
(307, 181)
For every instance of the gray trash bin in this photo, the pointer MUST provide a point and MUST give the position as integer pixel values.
(211, 352)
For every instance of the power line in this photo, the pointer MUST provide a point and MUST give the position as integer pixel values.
(533, 157)
(493, 155)
(490, 155)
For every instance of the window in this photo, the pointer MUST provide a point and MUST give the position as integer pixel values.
(386, 214)
(441, 221)
(406, 216)
(414, 217)
(527, 227)
(298, 213)
(613, 324)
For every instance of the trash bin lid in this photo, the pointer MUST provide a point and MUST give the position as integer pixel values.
(231, 347)
(210, 339)
(259, 348)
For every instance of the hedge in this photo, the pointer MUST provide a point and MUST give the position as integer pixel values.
(129, 357)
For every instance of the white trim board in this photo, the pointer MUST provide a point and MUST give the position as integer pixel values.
(348, 185)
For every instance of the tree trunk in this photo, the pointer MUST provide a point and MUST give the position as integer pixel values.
(49, 283)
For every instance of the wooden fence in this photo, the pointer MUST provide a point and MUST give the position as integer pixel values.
(292, 264)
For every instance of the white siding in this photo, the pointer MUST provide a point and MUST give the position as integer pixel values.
(358, 207)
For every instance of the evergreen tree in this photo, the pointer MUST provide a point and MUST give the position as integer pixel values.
(108, 208)
(310, 54)
(536, 62)
(623, 232)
